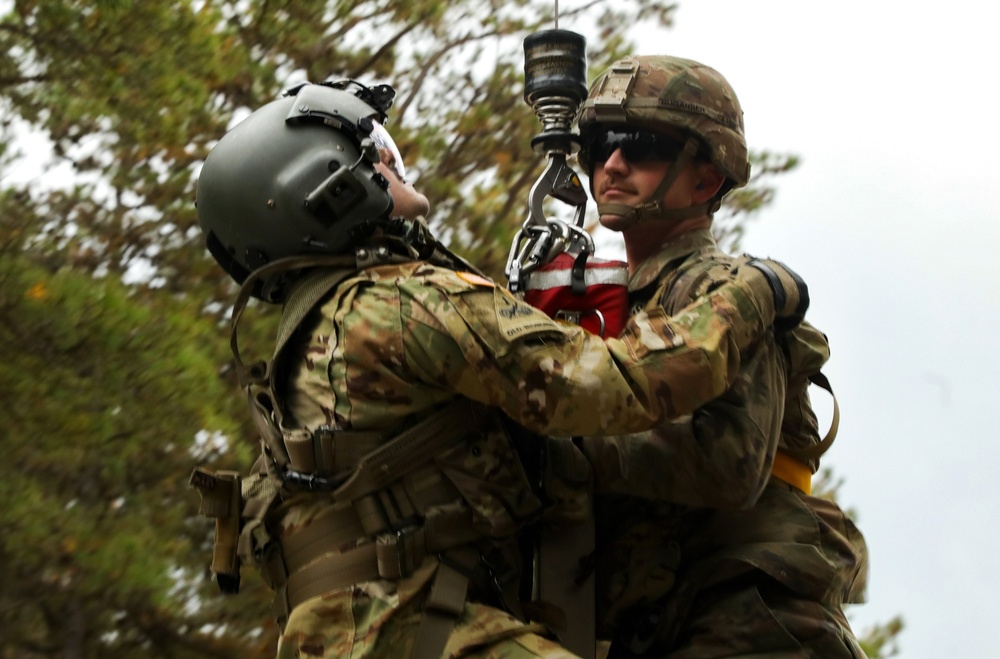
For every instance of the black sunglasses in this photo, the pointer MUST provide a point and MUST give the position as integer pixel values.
(637, 146)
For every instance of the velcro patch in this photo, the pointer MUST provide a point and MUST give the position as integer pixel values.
(516, 318)
(475, 280)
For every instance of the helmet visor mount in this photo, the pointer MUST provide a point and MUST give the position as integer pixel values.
(388, 152)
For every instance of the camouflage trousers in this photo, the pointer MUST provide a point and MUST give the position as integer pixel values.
(378, 620)
(761, 619)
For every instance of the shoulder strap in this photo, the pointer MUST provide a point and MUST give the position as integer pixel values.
(692, 280)
(413, 447)
(303, 298)
(255, 378)
(257, 372)
(816, 450)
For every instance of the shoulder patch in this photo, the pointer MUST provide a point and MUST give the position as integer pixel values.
(475, 280)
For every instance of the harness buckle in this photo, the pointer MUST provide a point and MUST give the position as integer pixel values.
(401, 552)
(310, 481)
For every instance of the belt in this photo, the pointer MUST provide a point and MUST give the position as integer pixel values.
(307, 563)
(792, 472)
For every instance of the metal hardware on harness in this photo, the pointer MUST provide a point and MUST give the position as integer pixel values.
(311, 481)
(538, 243)
(573, 317)
(401, 552)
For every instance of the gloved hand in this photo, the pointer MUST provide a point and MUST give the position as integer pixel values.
(789, 291)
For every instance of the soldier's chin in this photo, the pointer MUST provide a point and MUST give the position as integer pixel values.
(613, 222)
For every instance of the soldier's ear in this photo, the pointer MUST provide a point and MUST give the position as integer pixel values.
(709, 182)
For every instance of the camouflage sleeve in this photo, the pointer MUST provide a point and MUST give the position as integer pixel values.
(807, 350)
(557, 379)
(720, 456)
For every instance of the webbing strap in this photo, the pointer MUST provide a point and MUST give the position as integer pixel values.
(328, 450)
(334, 528)
(815, 451)
(328, 573)
(339, 263)
(443, 607)
(411, 449)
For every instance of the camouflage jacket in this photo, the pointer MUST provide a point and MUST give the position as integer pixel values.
(687, 505)
(392, 343)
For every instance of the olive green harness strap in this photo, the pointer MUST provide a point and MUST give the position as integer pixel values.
(256, 378)
(305, 566)
(442, 609)
(816, 450)
(412, 448)
(341, 265)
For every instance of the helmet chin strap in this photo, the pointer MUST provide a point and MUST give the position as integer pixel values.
(652, 209)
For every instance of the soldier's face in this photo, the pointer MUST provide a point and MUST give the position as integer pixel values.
(617, 180)
(625, 172)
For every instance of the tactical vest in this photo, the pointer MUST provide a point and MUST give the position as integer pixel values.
(391, 497)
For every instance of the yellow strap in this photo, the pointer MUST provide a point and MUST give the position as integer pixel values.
(789, 470)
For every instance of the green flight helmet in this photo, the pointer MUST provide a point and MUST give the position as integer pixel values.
(297, 178)
(659, 91)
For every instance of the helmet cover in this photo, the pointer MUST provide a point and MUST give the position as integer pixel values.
(659, 92)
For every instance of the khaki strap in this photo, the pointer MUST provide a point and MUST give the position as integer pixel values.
(814, 452)
(411, 449)
(652, 208)
(253, 374)
(260, 491)
(328, 450)
(333, 529)
(443, 607)
(328, 573)
(790, 467)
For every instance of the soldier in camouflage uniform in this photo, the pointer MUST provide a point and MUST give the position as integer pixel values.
(709, 543)
(385, 506)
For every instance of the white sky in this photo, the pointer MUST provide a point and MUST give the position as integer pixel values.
(894, 220)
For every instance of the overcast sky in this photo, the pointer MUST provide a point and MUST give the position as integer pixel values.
(894, 220)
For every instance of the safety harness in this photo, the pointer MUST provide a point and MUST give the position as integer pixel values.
(389, 501)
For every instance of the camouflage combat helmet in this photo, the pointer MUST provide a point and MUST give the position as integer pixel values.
(297, 178)
(655, 92)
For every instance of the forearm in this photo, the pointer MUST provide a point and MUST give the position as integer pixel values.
(718, 457)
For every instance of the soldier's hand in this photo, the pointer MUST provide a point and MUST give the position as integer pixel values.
(788, 290)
